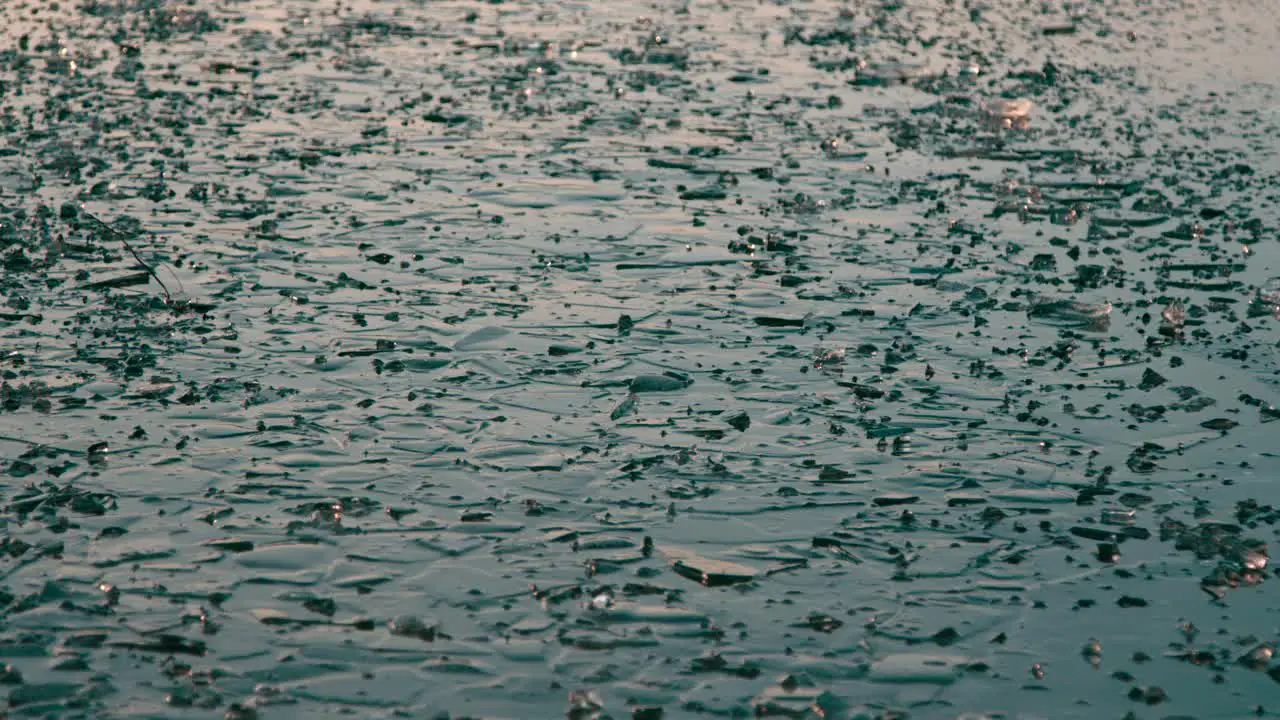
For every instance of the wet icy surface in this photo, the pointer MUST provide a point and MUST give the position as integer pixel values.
(523, 359)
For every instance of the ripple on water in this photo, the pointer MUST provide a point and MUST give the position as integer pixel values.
(512, 360)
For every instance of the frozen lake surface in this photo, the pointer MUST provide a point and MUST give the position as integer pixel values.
(621, 360)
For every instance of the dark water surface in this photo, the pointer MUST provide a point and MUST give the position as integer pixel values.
(675, 360)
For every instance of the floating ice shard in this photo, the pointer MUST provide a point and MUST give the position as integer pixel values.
(1009, 113)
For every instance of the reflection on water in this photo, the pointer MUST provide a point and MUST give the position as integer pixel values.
(515, 359)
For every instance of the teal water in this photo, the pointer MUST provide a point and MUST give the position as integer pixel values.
(529, 360)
